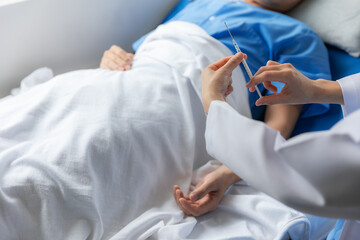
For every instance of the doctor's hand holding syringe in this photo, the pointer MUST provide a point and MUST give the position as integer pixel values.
(298, 88)
(217, 81)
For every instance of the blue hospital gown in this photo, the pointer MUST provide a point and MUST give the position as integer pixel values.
(263, 35)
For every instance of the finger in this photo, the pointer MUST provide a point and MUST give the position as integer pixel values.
(270, 86)
(272, 99)
(263, 69)
(175, 188)
(111, 65)
(117, 59)
(200, 207)
(190, 208)
(130, 56)
(127, 67)
(178, 196)
(121, 54)
(252, 89)
(218, 64)
(200, 191)
(269, 76)
(118, 51)
(208, 203)
(183, 208)
(268, 68)
(233, 62)
(272, 63)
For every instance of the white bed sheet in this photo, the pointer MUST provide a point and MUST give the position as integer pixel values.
(94, 154)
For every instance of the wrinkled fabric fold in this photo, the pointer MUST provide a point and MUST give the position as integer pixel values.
(94, 154)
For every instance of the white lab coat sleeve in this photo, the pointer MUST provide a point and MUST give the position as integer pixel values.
(317, 173)
(350, 87)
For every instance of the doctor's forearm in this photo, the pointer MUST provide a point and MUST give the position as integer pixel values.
(306, 173)
(325, 91)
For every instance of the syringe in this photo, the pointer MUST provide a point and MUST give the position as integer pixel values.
(246, 66)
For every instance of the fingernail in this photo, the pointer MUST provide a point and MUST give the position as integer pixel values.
(127, 67)
(193, 197)
(259, 103)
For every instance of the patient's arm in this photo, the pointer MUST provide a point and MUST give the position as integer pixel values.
(282, 118)
(208, 193)
(116, 58)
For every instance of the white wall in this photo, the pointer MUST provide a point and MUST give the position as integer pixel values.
(69, 34)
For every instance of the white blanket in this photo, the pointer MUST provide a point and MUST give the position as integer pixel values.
(94, 154)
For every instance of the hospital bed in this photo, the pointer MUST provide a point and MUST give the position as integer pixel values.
(341, 64)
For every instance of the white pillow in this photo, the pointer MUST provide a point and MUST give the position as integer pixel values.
(336, 21)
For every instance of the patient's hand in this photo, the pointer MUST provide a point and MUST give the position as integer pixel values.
(116, 59)
(208, 192)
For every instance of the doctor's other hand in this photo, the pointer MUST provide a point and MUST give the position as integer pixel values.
(207, 194)
(116, 59)
(217, 81)
(298, 88)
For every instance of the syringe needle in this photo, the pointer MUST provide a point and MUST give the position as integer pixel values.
(246, 66)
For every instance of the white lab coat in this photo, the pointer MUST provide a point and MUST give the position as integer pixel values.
(317, 172)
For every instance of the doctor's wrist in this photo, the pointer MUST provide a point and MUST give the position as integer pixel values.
(326, 91)
(208, 98)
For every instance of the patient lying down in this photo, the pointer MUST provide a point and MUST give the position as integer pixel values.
(209, 191)
(101, 154)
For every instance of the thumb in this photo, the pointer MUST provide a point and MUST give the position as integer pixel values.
(233, 62)
(271, 99)
(200, 191)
